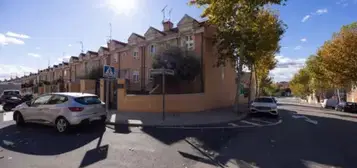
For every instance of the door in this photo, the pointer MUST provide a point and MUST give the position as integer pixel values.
(34, 112)
(52, 109)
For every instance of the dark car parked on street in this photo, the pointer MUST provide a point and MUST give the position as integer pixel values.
(347, 107)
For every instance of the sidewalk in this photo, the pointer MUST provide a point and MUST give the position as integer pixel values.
(217, 116)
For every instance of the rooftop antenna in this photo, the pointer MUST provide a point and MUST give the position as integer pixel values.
(163, 13)
(170, 14)
(81, 42)
(110, 31)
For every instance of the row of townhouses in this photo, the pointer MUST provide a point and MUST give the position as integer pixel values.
(132, 59)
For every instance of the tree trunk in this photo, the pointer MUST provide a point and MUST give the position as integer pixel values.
(257, 88)
(250, 85)
(338, 95)
(237, 99)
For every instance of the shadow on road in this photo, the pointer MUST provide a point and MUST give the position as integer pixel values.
(37, 139)
(95, 155)
(295, 143)
(203, 141)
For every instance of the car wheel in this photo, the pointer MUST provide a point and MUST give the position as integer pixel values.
(19, 119)
(62, 125)
(7, 108)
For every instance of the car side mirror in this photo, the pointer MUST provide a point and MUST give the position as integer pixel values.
(28, 103)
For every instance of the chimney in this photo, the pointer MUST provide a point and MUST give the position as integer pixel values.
(167, 25)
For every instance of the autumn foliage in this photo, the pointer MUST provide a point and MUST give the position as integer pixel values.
(334, 66)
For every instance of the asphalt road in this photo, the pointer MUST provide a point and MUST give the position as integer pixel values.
(304, 137)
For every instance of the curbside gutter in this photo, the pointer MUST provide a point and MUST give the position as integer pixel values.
(182, 126)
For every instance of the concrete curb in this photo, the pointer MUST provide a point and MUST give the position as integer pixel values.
(159, 125)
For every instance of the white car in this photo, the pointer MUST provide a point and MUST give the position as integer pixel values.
(329, 103)
(61, 110)
(264, 105)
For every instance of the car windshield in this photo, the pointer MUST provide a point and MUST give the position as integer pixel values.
(87, 100)
(12, 92)
(264, 100)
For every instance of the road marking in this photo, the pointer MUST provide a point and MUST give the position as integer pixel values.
(232, 124)
(219, 127)
(307, 119)
(251, 123)
(268, 122)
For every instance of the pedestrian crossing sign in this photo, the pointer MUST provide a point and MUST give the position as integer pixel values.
(108, 71)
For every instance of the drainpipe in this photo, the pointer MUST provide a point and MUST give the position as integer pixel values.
(202, 66)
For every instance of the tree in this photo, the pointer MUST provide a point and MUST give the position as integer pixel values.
(263, 67)
(299, 84)
(339, 56)
(95, 74)
(185, 64)
(246, 31)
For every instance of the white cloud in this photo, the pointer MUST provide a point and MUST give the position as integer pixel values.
(6, 71)
(5, 40)
(69, 45)
(37, 48)
(303, 40)
(12, 34)
(321, 11)
(34, 55)
(286, 68)
(297, 48)
(121, 6)
(104, 45)
(305, 18)
(345, 4)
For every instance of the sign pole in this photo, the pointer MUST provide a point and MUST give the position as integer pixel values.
(107, 95)
(163, 94)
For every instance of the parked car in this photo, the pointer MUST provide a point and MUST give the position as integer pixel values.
(264, 105)
(347, 107)
(329, 103)
(61, 110)
(14, 101)
(7, 94)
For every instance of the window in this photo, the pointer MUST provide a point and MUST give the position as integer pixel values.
(152, 49)
(57, 99)
(149, 75)
(11, 92)
(42, 100)
(188, 42)
(136, 76)
(136, 54)
(264, 100)
(116, 57)
(88, 100)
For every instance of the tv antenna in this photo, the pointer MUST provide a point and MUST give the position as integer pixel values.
(110, 32)
(81, 42)
(170, 14)
(163, 13)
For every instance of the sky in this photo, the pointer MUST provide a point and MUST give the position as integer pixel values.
(38, 33)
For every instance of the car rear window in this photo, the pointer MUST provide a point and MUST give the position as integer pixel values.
(87, 100)
(264, 100)
(11, 92)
